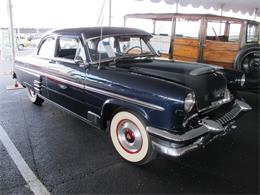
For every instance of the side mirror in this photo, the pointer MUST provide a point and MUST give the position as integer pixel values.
(79, 61)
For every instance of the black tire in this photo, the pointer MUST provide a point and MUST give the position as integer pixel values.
(248, 60)
(33, 97)
(20, 47)
(130, 138)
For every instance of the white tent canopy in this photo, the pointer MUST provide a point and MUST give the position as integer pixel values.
(244, 6)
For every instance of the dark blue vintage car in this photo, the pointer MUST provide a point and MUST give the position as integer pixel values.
(111, 78)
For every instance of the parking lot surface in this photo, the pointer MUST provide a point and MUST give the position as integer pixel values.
(69, 156)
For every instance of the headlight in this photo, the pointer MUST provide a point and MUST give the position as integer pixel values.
(243, 80)
(189, 102)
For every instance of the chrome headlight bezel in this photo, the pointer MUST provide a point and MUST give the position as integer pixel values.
(189, 102)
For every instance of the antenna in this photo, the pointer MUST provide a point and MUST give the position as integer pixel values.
(101, 15)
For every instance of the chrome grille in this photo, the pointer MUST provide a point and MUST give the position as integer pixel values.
(227, 117)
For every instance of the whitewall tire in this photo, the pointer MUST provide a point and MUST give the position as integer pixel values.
(33, 97)
(130, 138)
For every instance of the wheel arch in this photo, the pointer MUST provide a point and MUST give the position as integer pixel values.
(113, 106)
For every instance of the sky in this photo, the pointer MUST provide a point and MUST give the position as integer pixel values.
(76, 13)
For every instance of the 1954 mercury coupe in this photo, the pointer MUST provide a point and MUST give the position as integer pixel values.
(111, 78)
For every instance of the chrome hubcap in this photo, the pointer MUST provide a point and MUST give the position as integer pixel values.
(129, 136)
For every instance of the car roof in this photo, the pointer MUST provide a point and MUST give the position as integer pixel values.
(91, 32)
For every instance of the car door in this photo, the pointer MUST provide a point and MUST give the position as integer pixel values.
(40, 62)
(66, 78)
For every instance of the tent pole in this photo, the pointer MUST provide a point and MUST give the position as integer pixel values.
(11, 29)
(110, 13)
(255, 14)
(177, 6)
(221, 14)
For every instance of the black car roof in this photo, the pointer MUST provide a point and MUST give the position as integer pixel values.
(90, 32)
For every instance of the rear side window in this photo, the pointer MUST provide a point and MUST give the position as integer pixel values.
(47, 48)
(69, 48)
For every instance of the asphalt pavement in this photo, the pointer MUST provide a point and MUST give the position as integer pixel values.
(69, 156)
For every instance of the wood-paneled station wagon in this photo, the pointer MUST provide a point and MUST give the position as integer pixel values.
(229, 42)
(109, 77)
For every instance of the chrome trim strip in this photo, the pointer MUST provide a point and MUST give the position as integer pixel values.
(27, 71)
(63, 60)
(35, 88)
(36, 85)
(38, 82)
(124, 98)
(94, 114)
(100, 91)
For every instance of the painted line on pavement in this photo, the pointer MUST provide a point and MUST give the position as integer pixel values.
(33, 182)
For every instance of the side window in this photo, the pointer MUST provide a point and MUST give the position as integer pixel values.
(47, 48)
(234, 31)
(184, 30)
(69, 48)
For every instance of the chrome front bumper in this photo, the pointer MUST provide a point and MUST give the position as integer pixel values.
(176, 145)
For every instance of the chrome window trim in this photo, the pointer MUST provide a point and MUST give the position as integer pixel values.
(99, 91)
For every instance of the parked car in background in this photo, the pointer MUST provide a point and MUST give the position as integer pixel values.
(110, 78)
(22, 43)
(232, 43)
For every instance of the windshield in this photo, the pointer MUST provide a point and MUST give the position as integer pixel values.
(253, 33)
(111, 47)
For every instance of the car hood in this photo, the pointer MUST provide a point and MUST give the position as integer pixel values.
(208, 85)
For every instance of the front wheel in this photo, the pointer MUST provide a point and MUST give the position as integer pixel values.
(33, 97)
(130, 138)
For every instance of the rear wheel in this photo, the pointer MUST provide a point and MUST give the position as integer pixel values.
(130, 138)
(33, 97)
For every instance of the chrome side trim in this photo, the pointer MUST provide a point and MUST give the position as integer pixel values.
(124, 98)
(27, 71)
(36, 82)
(36, 85)
(63, 60)
(94, 114)
(37, 89)
(100, 91)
